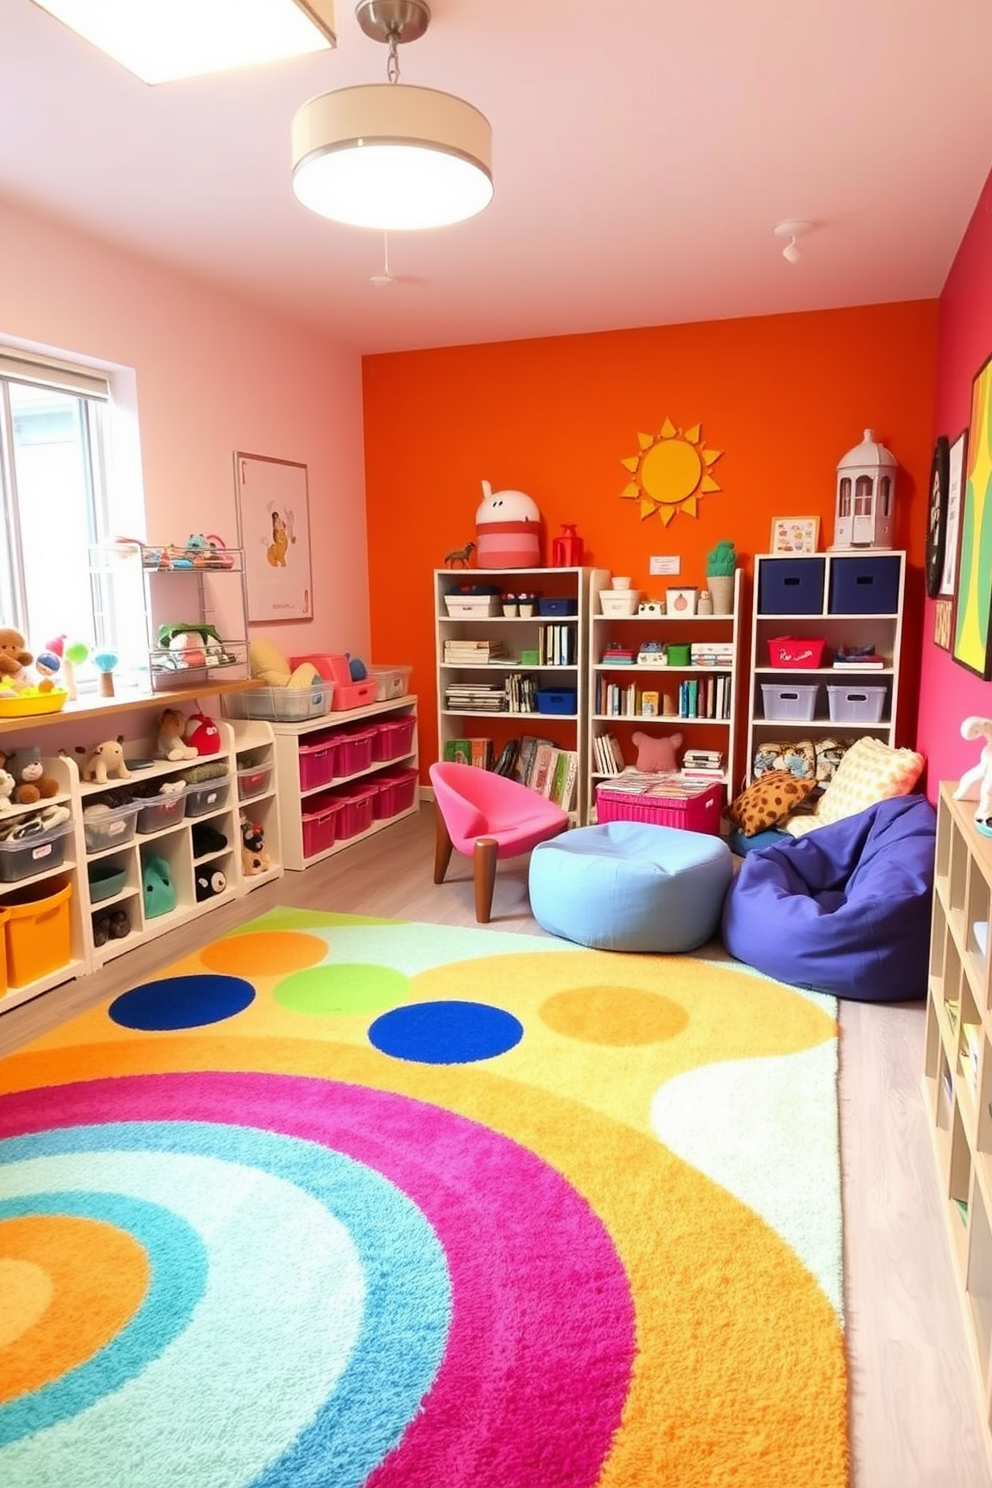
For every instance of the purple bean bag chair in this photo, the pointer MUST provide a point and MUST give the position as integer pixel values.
(845, 909)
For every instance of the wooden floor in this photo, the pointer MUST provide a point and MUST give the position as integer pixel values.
(914, 1407)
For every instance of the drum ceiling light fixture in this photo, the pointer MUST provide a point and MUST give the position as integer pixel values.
(387, 155)
(162, 41)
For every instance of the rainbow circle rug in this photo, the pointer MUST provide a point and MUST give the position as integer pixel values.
(336, 1201)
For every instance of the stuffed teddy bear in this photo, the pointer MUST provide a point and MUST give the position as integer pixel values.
(170, 726)
(7, 783)
(31, 782)
(657, 755)
(13, 659)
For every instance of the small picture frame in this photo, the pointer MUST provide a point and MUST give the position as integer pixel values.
(794, 534)
(942, 623)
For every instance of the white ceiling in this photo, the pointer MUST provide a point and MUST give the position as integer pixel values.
(643, 154)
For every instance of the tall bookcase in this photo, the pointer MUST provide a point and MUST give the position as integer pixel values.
(958, 1065)
(847, 599)
(551, 624)
(706, 719)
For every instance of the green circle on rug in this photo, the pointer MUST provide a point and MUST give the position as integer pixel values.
(619, 1016)
(343, 991)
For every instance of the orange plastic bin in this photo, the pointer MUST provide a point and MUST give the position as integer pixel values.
(3, 953)
(37, 932)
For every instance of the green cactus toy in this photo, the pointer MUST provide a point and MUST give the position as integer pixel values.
(721, 560)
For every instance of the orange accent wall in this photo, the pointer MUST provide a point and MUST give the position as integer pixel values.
(784, 397)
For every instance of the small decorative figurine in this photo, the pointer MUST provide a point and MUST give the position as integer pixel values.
(864, 515)
(459, 557)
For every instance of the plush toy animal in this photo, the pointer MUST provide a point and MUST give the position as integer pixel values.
(7, 783)
(13, 658)
(254, 858)
(28, 770)
(271, 666)
(105, 760)
(976, 783)
(209, 882)
(171, 726)
(657, 755)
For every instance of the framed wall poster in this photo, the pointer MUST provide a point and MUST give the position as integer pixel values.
(974, 580)
(794, 534)
(955, 483)
(942, 623)
(274, 531)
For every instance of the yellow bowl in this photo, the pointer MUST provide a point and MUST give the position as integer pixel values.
(29, 704)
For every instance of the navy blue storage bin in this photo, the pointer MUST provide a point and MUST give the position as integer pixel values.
(557, 606)
(865, 584)
(557, 702)
(791, 586)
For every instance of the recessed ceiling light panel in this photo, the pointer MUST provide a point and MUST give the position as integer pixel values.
(164, 40)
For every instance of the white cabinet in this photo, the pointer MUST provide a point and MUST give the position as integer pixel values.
(527, 675)
(846, 600)
(690, 689)
(345, 776)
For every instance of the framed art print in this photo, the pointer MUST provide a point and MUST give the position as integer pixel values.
(942, 623)
(955, 483)
(274, 531)
(794, 534)
(937, 517)
(974, 580)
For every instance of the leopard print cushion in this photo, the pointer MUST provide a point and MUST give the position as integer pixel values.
(768, 801)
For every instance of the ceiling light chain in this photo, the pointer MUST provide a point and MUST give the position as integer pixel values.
(393, 60)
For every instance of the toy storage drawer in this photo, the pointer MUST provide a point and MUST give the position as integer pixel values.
(865, 585)
(33, 854)
(856, 704)
(37, 930)
(319, 825)
(318, 762)
(253, 780)
(390, 682)
(354, 751)
(697, 813)
(791, 586)
(111, 828)
(393, 739)
(552, 607)
(356, 810)
(472, 606)
(353, 695)
(397, 792)
(209, 795)
(799, 655)
(790, 704)
(557, 702)
(156, 812)
(280, 704)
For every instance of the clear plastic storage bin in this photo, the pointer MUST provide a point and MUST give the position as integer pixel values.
(390, 681)
(34, 853)
(789, 704)
(111, 828)
(855, 704)
(253, 780)
(156, 812)
(206, 795)
(280, 704)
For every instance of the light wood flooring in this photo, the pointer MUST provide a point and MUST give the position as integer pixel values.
(914, 1404)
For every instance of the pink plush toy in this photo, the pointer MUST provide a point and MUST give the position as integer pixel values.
(657, 755)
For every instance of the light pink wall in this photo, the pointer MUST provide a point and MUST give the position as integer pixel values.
(948, 693)
(215, 374)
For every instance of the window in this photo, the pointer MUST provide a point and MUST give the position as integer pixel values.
(55, 423)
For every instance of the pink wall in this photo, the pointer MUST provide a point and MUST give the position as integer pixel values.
(948, 693)
(215, 374)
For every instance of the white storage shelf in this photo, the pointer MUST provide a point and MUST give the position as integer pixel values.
(631, 631)
(173, 842)
(293, 797)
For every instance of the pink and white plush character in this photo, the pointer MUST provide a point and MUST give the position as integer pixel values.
(976, 783)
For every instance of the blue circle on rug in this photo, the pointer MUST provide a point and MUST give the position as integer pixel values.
(445, 1032)
(182, 1002)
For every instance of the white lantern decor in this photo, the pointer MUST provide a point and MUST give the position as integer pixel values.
(864, 515)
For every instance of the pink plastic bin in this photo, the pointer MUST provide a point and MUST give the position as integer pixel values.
(397, 792)
(357, 806)
(393, 739)
(320, 825)
(354, 750)
(318, 762)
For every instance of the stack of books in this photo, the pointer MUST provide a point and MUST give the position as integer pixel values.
(473, 653)
(712, 653)
(474, 697)
(478, 752)
(703, 764)
(859, 659)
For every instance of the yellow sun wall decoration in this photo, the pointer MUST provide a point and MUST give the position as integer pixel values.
(670, 472)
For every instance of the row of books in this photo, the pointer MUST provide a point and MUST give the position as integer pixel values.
(535, 762)
(556, 645)
(607, 754)
(697, 697)
(517, 694)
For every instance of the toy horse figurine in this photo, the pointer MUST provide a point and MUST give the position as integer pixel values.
(460, 555)
(977, 782)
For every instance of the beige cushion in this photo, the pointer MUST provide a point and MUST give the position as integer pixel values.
(869, 772)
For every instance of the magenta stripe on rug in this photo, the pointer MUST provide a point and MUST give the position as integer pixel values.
(532, 1385)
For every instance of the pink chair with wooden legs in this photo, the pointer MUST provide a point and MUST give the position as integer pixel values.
(486, 817)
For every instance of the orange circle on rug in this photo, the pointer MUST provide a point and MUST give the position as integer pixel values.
(265, 953)
(26, 1289)
(99, 1277)
(597, 1015)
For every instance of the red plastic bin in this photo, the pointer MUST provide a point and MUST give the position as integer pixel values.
(393, 739)
(318, 762)
(356, 807)
(397, 792)
(698, 812)
(798, 654)
(354, 750)
(320, 825)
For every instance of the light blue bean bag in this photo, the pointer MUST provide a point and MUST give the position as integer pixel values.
(627, 886)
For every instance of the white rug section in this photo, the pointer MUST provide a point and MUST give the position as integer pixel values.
(763, 1130)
